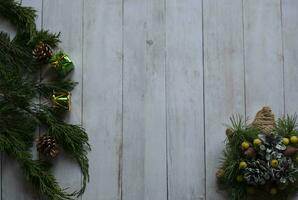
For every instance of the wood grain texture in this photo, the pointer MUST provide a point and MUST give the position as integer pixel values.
(65, 16)
(263, 56)
(290, 53)
(102, 96)
(14, 185)
(158, 81)
(290, 32)
(144, 119)
(184, 85)
(224, 80)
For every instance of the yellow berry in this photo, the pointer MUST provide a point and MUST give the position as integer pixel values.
(245, 145)
(242, 165)
(294, 139)
(250, 190)
(274, 163)
(239, 178)
(285, 141)
(282, 186)
(273, 191)
(257, 141)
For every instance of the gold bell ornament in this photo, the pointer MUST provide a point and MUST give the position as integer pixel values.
(61, 100)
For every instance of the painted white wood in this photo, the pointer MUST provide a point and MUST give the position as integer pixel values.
(224, 80)
(14, 185)
(184, 85)
(144, 118)
(102, 96)
(290, 32)
(145, 58)
(290, 50)
(263, 56)
(65, 16)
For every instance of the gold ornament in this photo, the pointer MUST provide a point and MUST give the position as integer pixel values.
(61, 100)
(62, 63)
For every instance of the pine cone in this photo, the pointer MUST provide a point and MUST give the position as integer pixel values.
(42, 52)
(220, 173)
(47, 145)
(230, 132)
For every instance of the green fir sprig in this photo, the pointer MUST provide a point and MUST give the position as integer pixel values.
(20, 115)
(282, 179)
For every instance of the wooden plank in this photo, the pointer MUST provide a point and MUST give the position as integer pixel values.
(224, 79)
(144, 119)
(263, 56)
(65, 16)
(290, 32)
(290, 50)
(184, 85)
(14, 186)
(102, 96)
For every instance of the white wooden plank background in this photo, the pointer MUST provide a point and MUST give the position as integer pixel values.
(263, 55)
(224, 79)
(184, 85)
(68, 12)
(102, 96)
(158, 81)
(290, 54)
(144, 122)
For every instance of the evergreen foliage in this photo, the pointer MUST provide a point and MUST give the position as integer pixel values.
(247, 182)
(20, 114)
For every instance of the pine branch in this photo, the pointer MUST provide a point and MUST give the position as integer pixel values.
(46, 88)
(22, 17)
(14, 56)
(19, 116)
(43, 181)
(37, 172)
(46, 37)
(74, 140)
(287, 125)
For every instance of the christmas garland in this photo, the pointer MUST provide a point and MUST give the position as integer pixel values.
(23, 60)
(260, 159)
